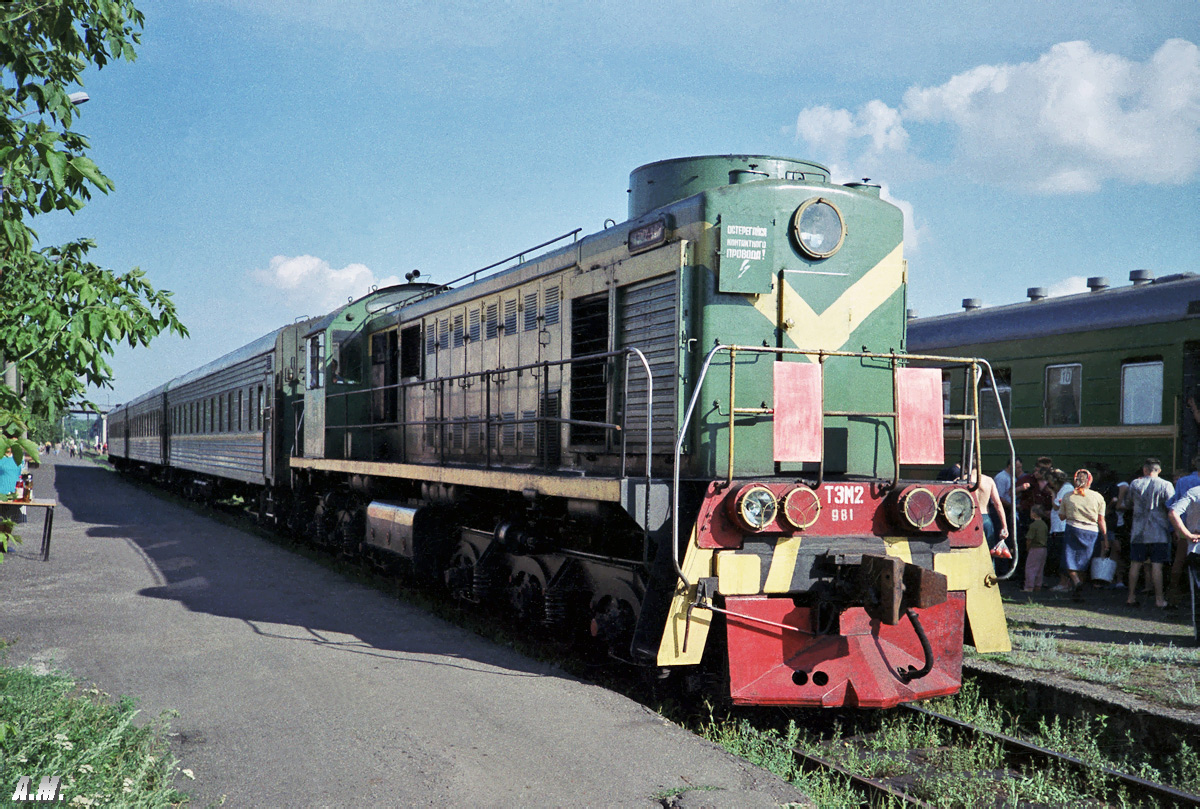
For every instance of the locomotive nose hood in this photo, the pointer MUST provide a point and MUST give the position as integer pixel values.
(656, 184)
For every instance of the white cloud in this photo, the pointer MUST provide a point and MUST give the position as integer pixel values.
(1064, 123)
(1068, 286)
(313, 282)
(834, 130)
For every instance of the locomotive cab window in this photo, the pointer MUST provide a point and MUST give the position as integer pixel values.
(316, 361)
(410, 352)
(384, 366)
(1063, 387)
(1142, 392)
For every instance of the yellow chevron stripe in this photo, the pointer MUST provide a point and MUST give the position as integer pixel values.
(686, 631)
(833, 327)
(970, 569)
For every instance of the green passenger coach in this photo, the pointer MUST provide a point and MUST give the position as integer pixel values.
(1100, 379)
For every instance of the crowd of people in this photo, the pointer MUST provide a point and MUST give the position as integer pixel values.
(1067, 522)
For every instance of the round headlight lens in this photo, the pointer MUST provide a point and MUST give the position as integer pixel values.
(756, 507)
(958, 506)
(818, 228)
(919, 507)
(801, 507)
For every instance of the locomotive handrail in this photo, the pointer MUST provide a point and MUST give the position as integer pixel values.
(488, 421)
(473, 275)
(972, 418)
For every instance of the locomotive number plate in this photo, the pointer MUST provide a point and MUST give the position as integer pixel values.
(842, 499)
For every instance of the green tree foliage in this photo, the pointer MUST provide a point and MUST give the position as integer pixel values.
(61, 315)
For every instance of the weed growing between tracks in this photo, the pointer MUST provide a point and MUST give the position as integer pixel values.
(49, 726)
(1165, 674)
(926, 759)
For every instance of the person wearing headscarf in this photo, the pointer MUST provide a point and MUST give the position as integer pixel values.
(1082, 511)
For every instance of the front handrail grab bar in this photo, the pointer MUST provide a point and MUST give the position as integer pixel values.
(971, 364)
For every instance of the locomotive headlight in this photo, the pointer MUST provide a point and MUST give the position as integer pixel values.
(801, 507)
(756, 507)
(958, 507)
(817, 228)
(919, 507)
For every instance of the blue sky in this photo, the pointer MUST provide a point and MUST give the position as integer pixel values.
(272, 159)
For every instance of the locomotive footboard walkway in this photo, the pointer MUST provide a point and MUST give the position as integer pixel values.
(296, 687)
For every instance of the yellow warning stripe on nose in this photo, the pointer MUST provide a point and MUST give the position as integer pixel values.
(783, 565)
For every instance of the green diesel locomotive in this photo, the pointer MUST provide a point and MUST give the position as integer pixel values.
(693, 437)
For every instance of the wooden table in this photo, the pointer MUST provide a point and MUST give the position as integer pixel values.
(47, 523)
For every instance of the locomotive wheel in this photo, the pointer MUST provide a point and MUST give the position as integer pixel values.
(613, 621)
(321, 530)
(460, 574)
(349, 525)
(525, 591)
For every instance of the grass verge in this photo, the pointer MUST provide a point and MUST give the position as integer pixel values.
(49, 726)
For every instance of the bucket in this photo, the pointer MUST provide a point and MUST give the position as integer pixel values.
(1103, 569)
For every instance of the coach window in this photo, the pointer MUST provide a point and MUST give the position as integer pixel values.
(1142, 392)
(1062, 403)
(987, 400)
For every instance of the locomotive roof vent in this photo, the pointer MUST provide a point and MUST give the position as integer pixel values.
(971, 304)
(1097, 283)
(656, 184)
(912, 314)
(1036, 293)
(1141, 278)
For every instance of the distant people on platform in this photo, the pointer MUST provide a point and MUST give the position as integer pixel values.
(1083, 511)
(1058, 529)
(1185, 519)
(1183, 487)
(1150, 533)
(1032, 487)
(1004, 485)
(1036, 538)
(988, 500)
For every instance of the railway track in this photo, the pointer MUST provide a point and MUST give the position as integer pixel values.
(1020, 758)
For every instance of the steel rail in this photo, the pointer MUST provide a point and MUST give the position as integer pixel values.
(1141, 786)
(874, 791)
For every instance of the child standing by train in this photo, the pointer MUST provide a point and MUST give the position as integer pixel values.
(1036, 538)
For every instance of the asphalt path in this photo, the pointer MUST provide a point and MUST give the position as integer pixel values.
(297, 687)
